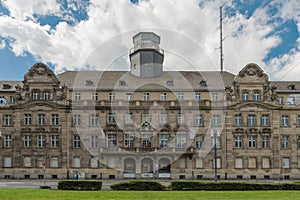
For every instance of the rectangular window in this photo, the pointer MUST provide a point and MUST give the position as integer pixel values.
(40, 161)
(128, 140)
(76, 141)
(94, 141)
(163, 96)
(199, 141)
(181, 140)
(251, 120)
(163, 118)
(41, 119)
(245, 96)
(197, 96)
(256, 96)
(216, 120)
(286, 163)
(41, 141)
(36, 95)
(77, 97)
(180, 96)
(284, 141)
(94, 163)
(265, 120)
(265, 141)
(76, 120)
(180, 119)
(7, 162)
(111, 118)
(95, 96)
(238, 163)
(111, 140)
(298, 120)
(237, 120)
(54, 119)
(238, 141)
(215, 96)
(218, 142)
(47, 96)
(94, 120)
(280, 100)
(27, 119)
(163, 140)
(284, 120)
(199, 163)
(146, 97)
(7, 141)
(182, 163)
(128, 118)
(8, 120)
(291, 101)
(129, 96)
(54, 141)
(12, 100)
(198, 120)
(146, 140)
(266, 163)
(27, 141)
(252, 141)
(27, 161)
(54, 162)
(76, 162)
(112, 96)
(218, 163)
(298, 142)
(252, 163)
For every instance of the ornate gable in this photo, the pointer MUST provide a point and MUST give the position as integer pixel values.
(40, 72)
(252, 73)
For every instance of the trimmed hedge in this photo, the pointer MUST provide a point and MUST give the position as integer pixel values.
(138, 185)
(222, 186)
(79, 185)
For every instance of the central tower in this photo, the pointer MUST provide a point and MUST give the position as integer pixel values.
(146, 57)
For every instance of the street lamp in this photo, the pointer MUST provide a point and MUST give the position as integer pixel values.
(215, 134)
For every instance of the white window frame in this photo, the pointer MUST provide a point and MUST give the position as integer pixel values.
(54, 141)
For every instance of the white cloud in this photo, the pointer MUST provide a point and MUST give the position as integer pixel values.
(2, 44)
(189, 33)
(25, 9)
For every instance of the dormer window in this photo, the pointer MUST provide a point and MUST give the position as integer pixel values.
(122, 83)
(292, 87)
(6, 86)
(203, 83)
(170, 83)
(36, 95)
(89, 83)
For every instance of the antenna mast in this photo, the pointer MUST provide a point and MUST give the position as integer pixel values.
(221, 38)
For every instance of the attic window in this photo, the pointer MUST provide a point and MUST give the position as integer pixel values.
(292, 87)
(203, 83)
(6, 86)
(170, 83)
(89, 83)
(122, 83)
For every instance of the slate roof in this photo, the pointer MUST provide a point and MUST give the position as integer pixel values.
(110, 80)
(9, 86)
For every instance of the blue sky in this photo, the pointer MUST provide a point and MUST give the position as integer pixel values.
(70, 35)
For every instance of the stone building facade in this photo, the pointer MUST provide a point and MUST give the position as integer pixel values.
(149, 123)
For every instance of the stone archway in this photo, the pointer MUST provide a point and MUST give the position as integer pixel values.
(129, 168)
(147, 168)
(164, 170)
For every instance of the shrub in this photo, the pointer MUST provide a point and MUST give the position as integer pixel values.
(196, 185)
(79, 185)
(138, 185)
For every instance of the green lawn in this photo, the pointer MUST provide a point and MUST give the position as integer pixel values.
(40, 194)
